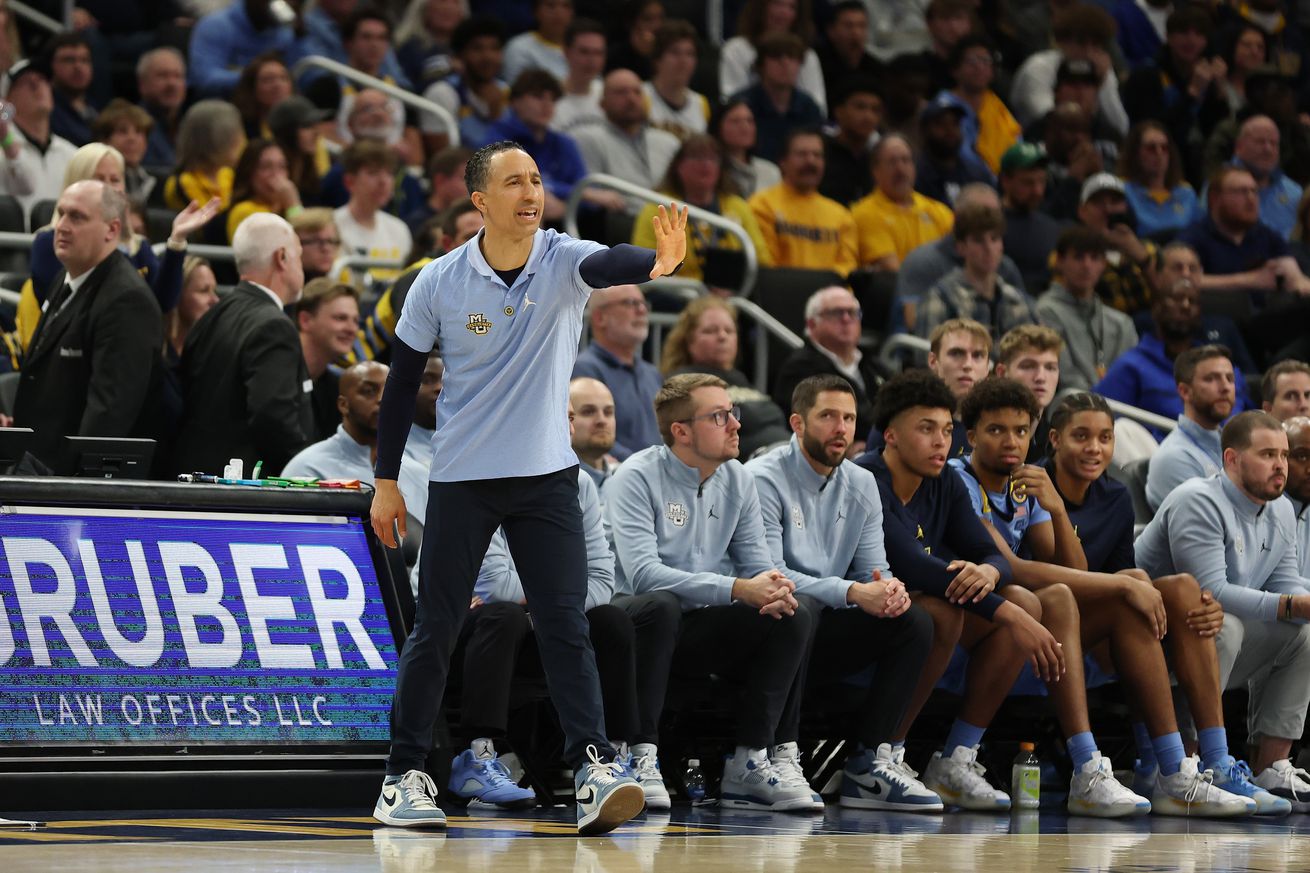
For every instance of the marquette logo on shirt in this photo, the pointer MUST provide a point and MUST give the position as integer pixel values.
(918, 535)
(478, 324)
(676, 513)
(798, 518)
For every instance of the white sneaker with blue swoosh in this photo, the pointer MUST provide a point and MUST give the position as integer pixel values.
(606, 794)
(409, 801)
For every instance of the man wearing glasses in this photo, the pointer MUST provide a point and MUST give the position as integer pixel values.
(619, 326)
(832, 332)
(319, 240)
(686, 524)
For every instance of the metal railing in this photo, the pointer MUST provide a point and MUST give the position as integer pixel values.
(363, 263)
(604, 180)
(407, 97)
(40, 19)
(888, 355)
(714, 21)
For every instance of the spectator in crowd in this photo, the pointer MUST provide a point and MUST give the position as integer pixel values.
(673, 105)
(895, 218)
(371, 120)
(584, 51)
(1285, 390)
(988, 127)
(634, 40)
(225, 40)
(848, 150)
(948, 22)
(832, 348)
(1298, 484)
(844, 56)
(327, 33)
(697, 176)
(243, 374)
(35, 163)
(209, 144)
(1243, 52)
(1286, 42)
(1082, 32)
(71, 75)
(327, 317)
(924, 266)
(1183, 90)
(762, 20)
(806, 489)
(594, 413)
(1140, 30)
(1144, 376)
(1129, 262)
(654, 505)
(294, 126)
(959, 353)
(1152, 170)
(1233, 534)
(264, 83)
(95, 363)
(1238, 251)
(543, 48)
(1256, 151)
(531, 104)
(1269, 91)
(1076, 82)
(704, 340)
(619, 327)
(1073, 157)
(906, 86)
(477, 94)
(1094, 334)
(199, 294)
(261, 184)
(445, 185)
(1030, 355)
(734, 126)
(423, 39)
(975, 289)
(945, 165)
(347, 453)
(1030, 232)
(369, 172)
(320, 241)
(1206, 382)
(777, 102)
(626, 145)
(161, 82)
(126, 127)
(802, 228)
(11, 46)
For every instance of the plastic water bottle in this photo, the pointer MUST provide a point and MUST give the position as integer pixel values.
(1026, 779)
(694, 780)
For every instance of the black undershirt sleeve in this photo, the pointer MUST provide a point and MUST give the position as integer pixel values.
(397, 412)
(621, 265)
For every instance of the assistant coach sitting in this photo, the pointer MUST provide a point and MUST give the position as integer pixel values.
(94, 365)
(244, 379)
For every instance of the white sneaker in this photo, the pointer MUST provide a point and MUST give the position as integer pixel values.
(1283, 780)
(750, 782)
(646, 770)
(1095, 792)
(786, 761)
(409, 801)
(961, 781)
(1191, 791)
(606, 796)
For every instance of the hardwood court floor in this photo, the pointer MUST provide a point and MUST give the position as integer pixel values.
(702, 840)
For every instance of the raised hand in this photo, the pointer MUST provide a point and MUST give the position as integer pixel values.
(670, 240)
(194, 217)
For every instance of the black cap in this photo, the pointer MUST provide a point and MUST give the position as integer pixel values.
(24, 67)
(295, 112)
(1077, 70)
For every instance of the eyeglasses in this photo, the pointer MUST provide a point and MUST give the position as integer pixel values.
(329, 243)
(718, 416)
(852, 312)
(634, 303)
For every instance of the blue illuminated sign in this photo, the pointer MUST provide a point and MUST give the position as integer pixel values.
(182, 628)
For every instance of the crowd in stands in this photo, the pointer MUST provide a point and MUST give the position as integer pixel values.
(1060, 203)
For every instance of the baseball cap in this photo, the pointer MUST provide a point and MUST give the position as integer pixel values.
(944, 102)
(1100, 182)
(22, 68)
(1077, 70)
(295, 112)
(1023, 156)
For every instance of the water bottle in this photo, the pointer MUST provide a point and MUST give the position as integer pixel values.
(1026, 779)
(694, 780)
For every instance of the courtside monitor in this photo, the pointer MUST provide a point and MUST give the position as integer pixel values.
(107, 457)
(14, 443)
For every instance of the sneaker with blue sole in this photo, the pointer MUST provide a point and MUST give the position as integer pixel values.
(409, 801)
(1235, 777)
(880, 779)
(478, 778)
(606, 795)
(750, 781)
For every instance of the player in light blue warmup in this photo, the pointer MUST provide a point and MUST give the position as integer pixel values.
(506, 308)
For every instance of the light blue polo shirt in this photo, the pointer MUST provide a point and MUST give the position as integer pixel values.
(509, 352)
(1012, 519)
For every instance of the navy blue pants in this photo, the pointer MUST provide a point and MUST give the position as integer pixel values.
(543, 527)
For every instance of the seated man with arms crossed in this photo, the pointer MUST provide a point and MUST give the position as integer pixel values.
(823, 522)
(685, 519)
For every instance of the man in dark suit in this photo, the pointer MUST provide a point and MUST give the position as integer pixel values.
(244, 379)
(94, 364)
(832, 330)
